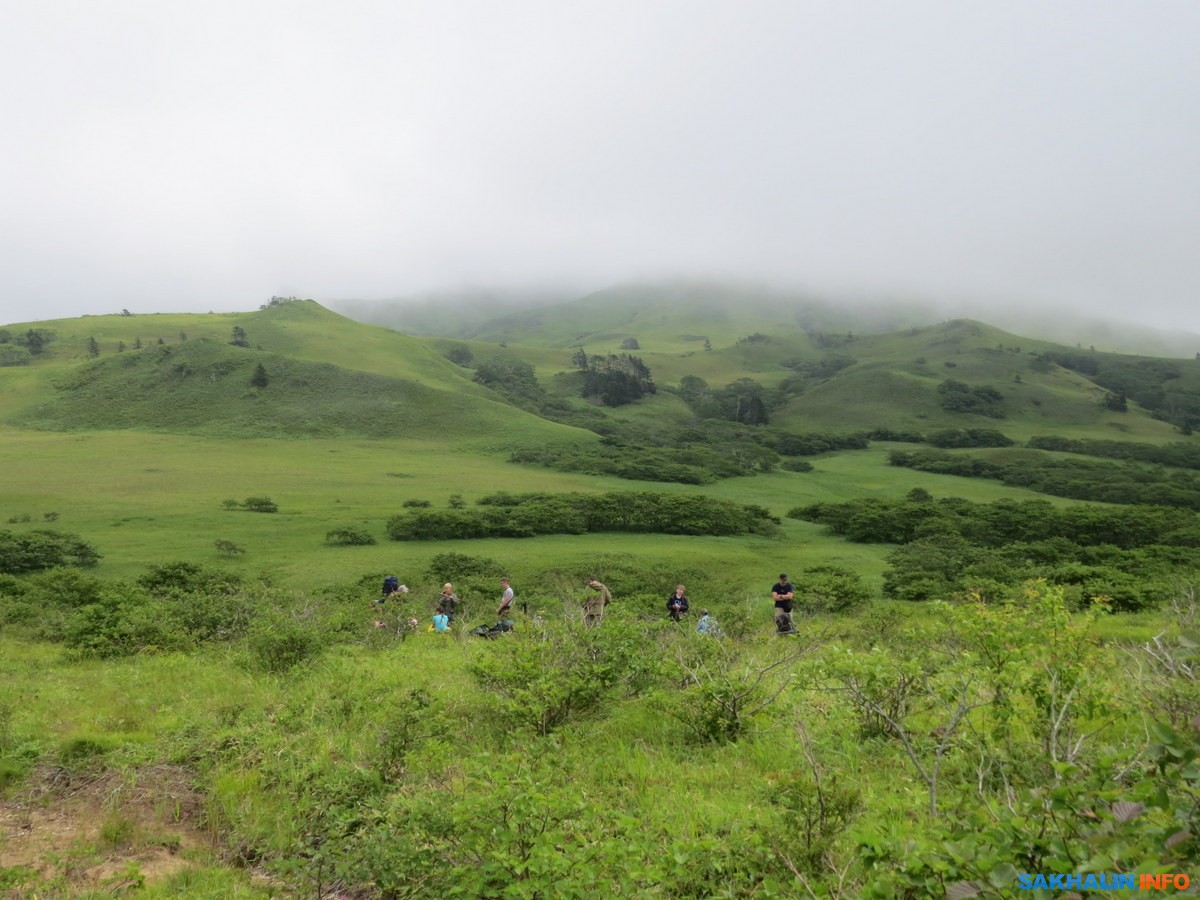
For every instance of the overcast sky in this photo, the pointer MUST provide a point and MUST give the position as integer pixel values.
(162, 155)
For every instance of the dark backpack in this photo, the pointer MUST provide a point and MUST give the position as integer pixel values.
(391, 584)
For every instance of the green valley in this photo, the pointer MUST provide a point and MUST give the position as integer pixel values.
(992, 669)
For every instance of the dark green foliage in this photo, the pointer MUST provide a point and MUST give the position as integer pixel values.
(1158, 385)
(953, 546)
(279, 641)
(959, 397)
(460, 355)
(44, 549)
(969, 437)
(797, 465)
(1179, 454)
(36, 340)
(13, 356)
(787, 444)
(543, 680)
(1076, 478)
(238, 337)
(259, 379)
(1144, 822)
(93, 347)
(512, 377)
(228, 548)
(829, 589)
(189, 578)
(527, 515)
(615, 380)
(260, 504)
(744, 401)
(449, 566)
(413, 503)
(349, 537)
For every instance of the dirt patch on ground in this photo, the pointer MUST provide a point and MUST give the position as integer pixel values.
(74, 830)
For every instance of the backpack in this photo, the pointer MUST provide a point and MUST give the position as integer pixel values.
(391, 584)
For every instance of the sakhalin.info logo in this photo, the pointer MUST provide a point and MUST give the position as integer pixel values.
(1105, 881)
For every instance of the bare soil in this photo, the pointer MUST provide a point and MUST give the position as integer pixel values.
(78, 830)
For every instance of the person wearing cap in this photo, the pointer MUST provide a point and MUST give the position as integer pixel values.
(783, 592)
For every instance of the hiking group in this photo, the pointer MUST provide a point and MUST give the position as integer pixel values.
(449, 607)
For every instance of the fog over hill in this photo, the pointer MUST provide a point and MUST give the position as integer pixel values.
(205, 157)
(514, 315)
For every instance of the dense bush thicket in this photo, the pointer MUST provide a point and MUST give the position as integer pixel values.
(1078, 479)
(1158, 385)
(695, 455)
(1134, 556)
(43, 548)
(969, 437)
(527, 515)
(1179, 454)
(982, 400)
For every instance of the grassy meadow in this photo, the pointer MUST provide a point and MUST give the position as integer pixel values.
(265, 731)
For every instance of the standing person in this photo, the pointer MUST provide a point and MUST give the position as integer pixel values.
(677, 604)
(782, 593)
(593, 607)
(448, 601)
(506, 599)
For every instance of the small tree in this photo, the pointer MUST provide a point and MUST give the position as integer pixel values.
(228, 548)
(238, 337)
(259, 379)
(260, 504)
(93, 348)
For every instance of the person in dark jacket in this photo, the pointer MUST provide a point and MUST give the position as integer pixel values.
(677, 604)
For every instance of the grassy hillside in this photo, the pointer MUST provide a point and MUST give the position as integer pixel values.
(326, 376)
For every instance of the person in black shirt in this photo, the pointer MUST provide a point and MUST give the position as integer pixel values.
(677, 604)
(782, 593)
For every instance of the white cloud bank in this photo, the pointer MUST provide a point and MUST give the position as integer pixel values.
(162, 156)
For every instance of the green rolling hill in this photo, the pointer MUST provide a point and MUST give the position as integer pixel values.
(330, 376)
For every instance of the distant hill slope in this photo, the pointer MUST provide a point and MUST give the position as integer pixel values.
(669, 315)
(326, 376)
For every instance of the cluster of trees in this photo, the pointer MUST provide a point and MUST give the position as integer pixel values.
(1078, 479)
(969, 437)
(514, 379)
(1178, 454)
(18, 349)
(695, 455)
(959, 397)
(744, 401)
(41, 549)
(614, 379)
(1134, 556)
(1157, 385)
(528, 515)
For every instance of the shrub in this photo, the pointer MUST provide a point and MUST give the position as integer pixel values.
(44, 549)
(830, 589)
(416, 504)
(349, 537)
(280, 642)
(448, 566)
(260, 504)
